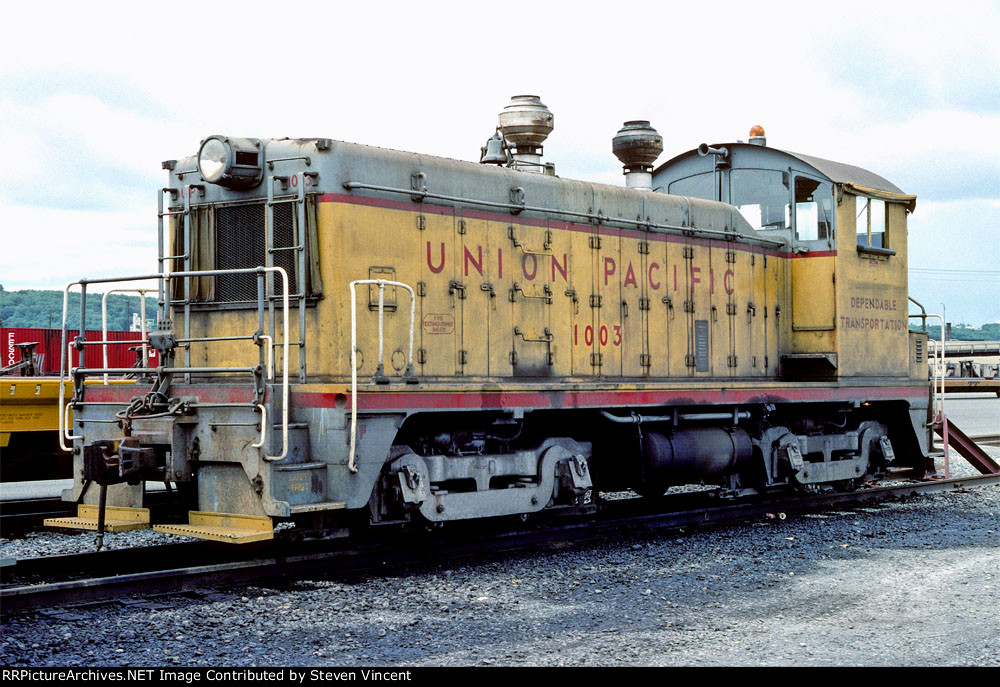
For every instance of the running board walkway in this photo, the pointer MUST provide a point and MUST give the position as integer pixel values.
(969, 449)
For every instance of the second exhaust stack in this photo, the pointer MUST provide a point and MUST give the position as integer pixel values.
(637, 145)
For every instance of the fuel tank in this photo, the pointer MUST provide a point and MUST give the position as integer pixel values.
(687, 456)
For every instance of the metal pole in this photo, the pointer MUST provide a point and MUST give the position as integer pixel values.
(187, 279)
(260, 322)
(269, 260)
(160, 294)
(284, 370)
(81, 355)
(300, 250)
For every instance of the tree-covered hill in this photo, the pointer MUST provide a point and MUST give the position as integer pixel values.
(44, 309)
(961, 332)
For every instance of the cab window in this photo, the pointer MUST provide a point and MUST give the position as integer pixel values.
(696, 186)
(870, 223)
(813, 211)
(762, 197)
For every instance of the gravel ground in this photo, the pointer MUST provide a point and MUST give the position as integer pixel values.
(906, 583)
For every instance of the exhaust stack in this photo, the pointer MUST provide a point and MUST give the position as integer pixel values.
(525, 123)
(637, 145)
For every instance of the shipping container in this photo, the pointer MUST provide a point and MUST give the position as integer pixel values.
(49, 341)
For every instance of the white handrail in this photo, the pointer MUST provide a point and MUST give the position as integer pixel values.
(64, 424)
(65, 363)
(937, 399)
(104, 323)
(263, 426)
(63, 421)
(382, 283)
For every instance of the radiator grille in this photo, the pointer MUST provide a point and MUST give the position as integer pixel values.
(241, 242)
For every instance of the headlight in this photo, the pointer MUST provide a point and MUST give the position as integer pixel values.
(231, 162)
(213, 160)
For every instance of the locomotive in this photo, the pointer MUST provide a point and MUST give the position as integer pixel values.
(353, 334)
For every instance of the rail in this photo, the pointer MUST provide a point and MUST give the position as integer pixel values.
(299, 248)
(35, 583)
(142, 314)
(66, 347)
(379, 374)
(591, 216)
(937, 381)
(955, 348)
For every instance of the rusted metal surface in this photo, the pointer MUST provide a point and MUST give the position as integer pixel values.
(972, 452)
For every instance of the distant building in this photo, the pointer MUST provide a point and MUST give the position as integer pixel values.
(136, 325)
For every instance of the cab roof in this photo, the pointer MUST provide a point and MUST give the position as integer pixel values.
(857, 179)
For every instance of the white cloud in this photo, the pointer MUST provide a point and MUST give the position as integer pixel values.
(45, 248)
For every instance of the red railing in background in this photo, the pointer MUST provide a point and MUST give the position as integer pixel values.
(49, 341)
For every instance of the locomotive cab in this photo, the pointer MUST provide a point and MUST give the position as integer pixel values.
(846, 295)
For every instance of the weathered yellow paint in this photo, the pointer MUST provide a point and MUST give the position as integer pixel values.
(232, 528)
(479, 304)
(872, 299)
(571, 298)
(116, 519)
(537, 335)
(919, 356)
(493, 288)
(624, 299)
(31, 404)
(774, 283)
(813, 289)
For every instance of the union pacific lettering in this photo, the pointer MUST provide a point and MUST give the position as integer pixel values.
(555, 268)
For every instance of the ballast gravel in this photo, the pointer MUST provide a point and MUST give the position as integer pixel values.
(914, 582)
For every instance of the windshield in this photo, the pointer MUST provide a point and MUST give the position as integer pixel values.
(762, 197)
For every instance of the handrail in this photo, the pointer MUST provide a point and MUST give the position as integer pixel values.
(937, 399)
(922, 315)
(66, 350)
(63, 420)
(937, 409)
(284, 364)
(263, 426)
(518, 207)
(64, 426)
(104, 323)
(354, 347)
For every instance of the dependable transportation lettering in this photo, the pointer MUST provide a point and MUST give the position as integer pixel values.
(879, 324)
(862, 303)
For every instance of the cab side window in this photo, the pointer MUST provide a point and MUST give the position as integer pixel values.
(813, 211)
(870, 223)
(696, 186)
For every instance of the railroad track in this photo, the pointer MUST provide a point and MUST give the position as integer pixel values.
(18, 516)
(981, 439)
(94, 577)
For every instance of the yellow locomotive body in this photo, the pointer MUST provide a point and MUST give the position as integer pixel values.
(567, 338)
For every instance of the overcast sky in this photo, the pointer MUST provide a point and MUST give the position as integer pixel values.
(94, 95)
